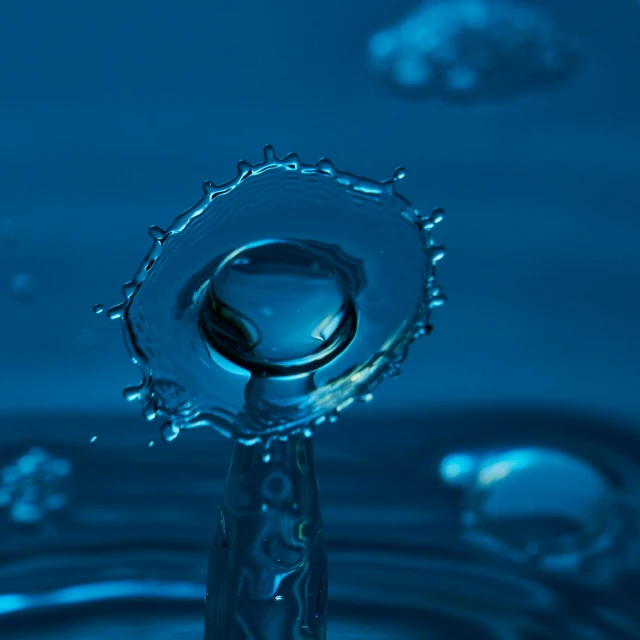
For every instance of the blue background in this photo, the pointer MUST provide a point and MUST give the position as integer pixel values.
(113, 114)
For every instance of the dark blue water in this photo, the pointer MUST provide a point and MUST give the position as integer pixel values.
(491, 491)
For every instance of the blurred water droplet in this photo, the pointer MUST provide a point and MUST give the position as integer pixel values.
(93, 438)
(35, 485)
(538, 503)
(23, 288)
(307, 432)
(150, 442)
(266, 457)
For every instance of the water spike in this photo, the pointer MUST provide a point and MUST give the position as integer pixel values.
(169, 432)
(130, 394)
(244, 168)
(269, 153)
(326, 166)
(292, 161)
(399, 173)
(208, 187)
(156, 232)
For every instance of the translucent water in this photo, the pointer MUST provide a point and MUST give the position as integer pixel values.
(130, 555)
(264, 311)
(348, 239)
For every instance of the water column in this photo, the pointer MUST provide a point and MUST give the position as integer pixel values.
(268, 308)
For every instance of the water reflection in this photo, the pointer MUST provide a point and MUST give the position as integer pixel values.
(404, 561)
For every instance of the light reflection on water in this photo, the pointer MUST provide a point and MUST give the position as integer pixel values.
(456, 528)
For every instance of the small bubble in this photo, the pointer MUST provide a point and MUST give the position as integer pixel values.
(23, 288)
(307, 432)
(98, 309)
(279, 599)
(92, 438)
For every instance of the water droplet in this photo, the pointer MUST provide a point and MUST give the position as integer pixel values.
(437, 253)
(169, 432)
(23, 288)
(117, 312)
(437, 301)
(400, 173)
(568, 512)
(437, 215)
(279, 599)
(299, 333)
(150, 411)
(156, 232)
(366, 398)
(333, 418)
(266, 457)
(150, 442)
(307, 432)
(93, 437)
(98, 309)
(264, 506)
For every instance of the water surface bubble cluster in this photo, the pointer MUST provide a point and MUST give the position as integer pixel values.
(296, 273)
(34, 486)
(473, 50)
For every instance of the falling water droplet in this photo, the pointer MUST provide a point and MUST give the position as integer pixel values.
(150, 442)
(23, 288)
(279, 599)
(307, 432)
(266, 457)
(98, 309)
(93, 437)
(264, 506)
